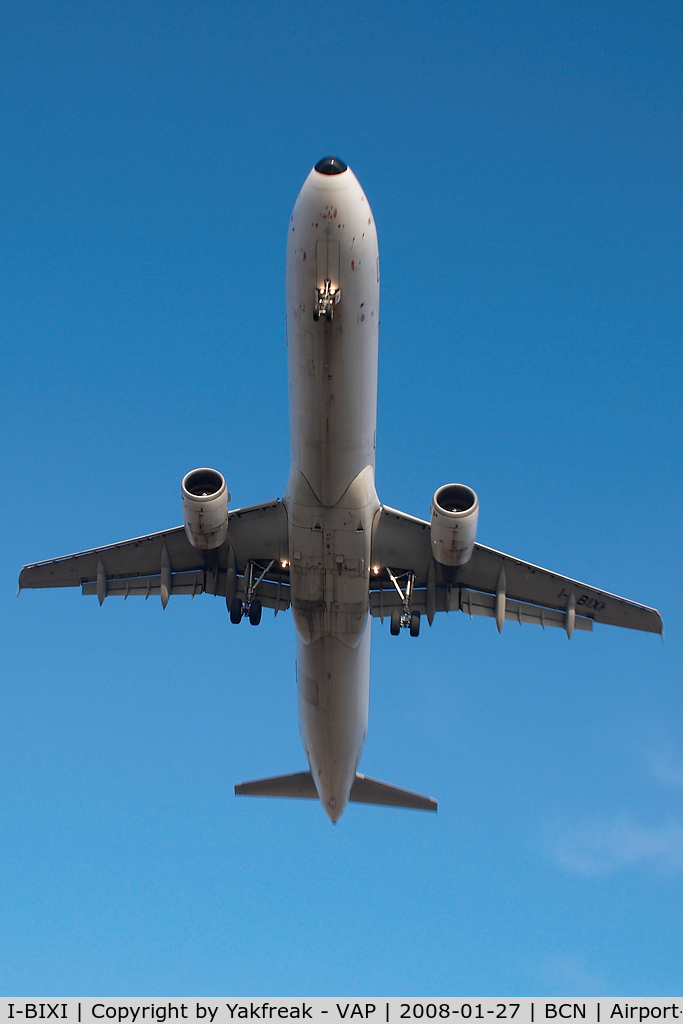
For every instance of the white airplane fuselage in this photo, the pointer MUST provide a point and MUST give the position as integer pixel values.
(330, 526)
(331, 499)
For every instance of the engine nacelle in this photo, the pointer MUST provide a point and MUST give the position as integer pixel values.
(205, 508)
(455, 511)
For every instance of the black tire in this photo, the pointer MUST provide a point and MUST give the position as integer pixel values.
(328, 315)
(316, 315)
(415, 624)
(395, 627)
(235, 610)
(255, 612)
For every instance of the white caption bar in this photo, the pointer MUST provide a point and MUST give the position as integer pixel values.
(337, 1010)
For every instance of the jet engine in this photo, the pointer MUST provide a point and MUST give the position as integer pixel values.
(455, 511)
(205, 508)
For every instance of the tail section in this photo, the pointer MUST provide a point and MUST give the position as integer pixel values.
(363, 791)
(370, 791)
(299, 785)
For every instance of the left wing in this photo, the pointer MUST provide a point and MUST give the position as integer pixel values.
(491, 583)
(166, 564)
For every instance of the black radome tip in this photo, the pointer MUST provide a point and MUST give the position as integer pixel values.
(330, 165)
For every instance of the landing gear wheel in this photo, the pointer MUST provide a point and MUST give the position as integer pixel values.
(415, 624)
(316, 315)
(395, 627)
(328, 315)
(255, 612)
(235, 610)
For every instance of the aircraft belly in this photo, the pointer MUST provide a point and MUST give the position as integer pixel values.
(331, 499)
(333, 685)
(330, 559)
(332, 365)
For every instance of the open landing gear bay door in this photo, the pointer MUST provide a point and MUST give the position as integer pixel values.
(166, 564)
(490, 583)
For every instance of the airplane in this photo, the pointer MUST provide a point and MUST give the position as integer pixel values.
(329, 550)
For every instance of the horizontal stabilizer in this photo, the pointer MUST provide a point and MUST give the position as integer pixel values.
(363, 791)
(299, 785)
(370, 791)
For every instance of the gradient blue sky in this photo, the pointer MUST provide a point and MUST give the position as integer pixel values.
(524, 164)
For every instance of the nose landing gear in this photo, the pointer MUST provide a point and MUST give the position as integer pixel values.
(326, 299)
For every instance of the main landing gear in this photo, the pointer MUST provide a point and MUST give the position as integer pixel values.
(406, 619)
(251, 606)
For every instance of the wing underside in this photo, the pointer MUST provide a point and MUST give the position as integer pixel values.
(166, 564)
(490, 583)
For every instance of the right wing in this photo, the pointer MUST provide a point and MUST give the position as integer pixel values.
(165, 563)
(529, 593)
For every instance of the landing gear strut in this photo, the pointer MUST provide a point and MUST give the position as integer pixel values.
(251, 606)
(326, 299)
(406, 619)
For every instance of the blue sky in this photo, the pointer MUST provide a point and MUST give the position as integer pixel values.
(524, 165)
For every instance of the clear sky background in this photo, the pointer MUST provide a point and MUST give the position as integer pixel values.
(524, 165)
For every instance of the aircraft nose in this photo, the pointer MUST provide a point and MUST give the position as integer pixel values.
(330, 165)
